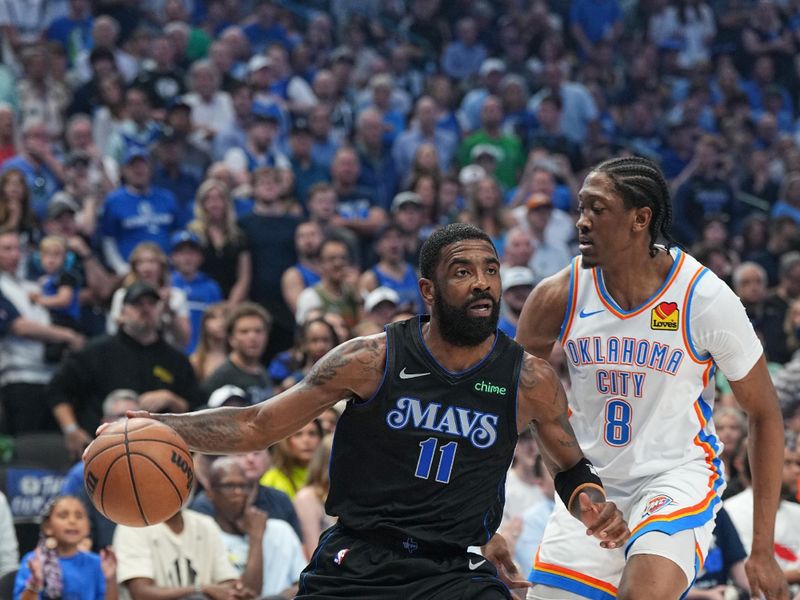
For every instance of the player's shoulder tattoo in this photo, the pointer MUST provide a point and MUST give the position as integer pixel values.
(365, 353)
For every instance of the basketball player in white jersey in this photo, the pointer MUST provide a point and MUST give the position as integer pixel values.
(643, 327)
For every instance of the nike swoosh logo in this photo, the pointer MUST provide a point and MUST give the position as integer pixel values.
(404, 375)
(584, 314)
(473, 566)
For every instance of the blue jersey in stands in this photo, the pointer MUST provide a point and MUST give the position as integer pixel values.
(132, 218)
(201, 292)
(309, 277)
(407, 287)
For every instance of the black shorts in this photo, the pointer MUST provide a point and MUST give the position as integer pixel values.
(346, 565)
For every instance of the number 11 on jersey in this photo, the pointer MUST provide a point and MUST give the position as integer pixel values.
(426, 456)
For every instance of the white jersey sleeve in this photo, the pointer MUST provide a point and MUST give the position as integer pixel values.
(719, 326)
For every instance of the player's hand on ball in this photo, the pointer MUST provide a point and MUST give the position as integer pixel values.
(496, 551)
(603, 520)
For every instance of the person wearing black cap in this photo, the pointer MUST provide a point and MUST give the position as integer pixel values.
(306, 170)
(136, 358)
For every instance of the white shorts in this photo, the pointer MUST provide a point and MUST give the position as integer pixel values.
(684, 499)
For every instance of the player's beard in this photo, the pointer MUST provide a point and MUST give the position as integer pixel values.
(460, 329)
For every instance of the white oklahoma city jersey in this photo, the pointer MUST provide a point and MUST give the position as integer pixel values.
(640, 401)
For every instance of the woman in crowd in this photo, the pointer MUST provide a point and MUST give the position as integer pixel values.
(226, 256)
(316, 337)
(309, 503)
(290, 459)
(212, 348)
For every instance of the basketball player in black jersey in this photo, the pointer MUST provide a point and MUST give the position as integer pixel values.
(420, 455)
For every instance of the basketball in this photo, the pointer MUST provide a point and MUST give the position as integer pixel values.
(138, 472)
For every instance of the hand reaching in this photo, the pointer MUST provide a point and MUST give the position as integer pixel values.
(604, 521)
(496, 551)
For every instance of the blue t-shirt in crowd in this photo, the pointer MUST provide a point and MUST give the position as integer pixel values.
(507, 327)
(75, 36)
(81, 575)
(595, 17)
(131, 218)
(201, 292)
(50, 287)
(407, 288)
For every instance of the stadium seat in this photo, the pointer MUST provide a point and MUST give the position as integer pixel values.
(45, 450)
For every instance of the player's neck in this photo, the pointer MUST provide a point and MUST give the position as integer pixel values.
(451, 356)
(634, 279)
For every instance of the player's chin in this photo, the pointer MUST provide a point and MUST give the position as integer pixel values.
(589, 259)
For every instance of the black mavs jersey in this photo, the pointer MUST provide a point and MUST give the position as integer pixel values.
(426, 457)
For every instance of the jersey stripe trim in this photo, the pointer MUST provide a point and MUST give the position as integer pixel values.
(612, 306)
(572, 298)
(700, 513)
(572, 581)
(685, 325)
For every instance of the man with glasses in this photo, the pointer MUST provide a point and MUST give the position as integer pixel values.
(270, 557)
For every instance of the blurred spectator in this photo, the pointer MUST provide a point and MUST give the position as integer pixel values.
(8, 137)
(247, 331)
(9, 555)
(16, 213)
(105, 36)
(24, 373)
(226, 255)
(212, 108)
(269, 230)
(310, 499)
(41, 96)
(508, 148)
(212, 345)
(306, 271)
(731, 427)
(259, 150)
(490, 79)
(136, 358)
(593, 21)
(407, 214)
(380, 307)
(38, 163)
(706, 191)
(549, 135)
(485, 208)
(171, 173)
(148, 263)
(518, 250)
(535, 516)
(235, 133)
(463, 57)
(161, 76)
(315, 339)
(291, 457)
(195, 156)
(691, 25)
(185, 554)
(393, 271)
(265, 28)
(788, 203)
(579, 113)
(200, 289)
(334, 292)
(776, 307)
(550, 255)
(265, 552)
(306, 170)
(518, 282)
(424, 130)
(358, 210)
(378, 172)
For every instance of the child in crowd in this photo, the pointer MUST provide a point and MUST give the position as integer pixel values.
(59, 291)
(58, 567)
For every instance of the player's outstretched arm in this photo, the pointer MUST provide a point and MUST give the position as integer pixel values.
(352, 369)
(543, 403)
(756, 395)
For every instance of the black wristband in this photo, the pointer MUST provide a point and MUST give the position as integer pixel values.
(568, 483)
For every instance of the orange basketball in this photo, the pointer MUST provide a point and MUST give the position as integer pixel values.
(138, 472)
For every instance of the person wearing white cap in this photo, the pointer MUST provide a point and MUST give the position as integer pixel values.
(517, 284)
(380, 305)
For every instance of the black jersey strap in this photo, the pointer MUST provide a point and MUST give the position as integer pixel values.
(574, 480)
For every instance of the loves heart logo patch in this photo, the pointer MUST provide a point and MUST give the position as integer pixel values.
(665, 317)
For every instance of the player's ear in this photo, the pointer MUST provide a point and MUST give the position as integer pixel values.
(642, 218)
(426, 288)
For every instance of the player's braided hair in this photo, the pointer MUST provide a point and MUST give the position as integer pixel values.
(455, 232)
(640, 183)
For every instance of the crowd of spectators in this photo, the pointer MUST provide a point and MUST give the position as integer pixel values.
(199, 198)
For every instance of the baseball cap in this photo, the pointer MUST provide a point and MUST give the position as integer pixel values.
(184, 237)
(178, 104)
(538, 200)
(300, 125)
(492, 64)
(259, 61)
(471, 174)
(228, 395)
(61, 203)
(134, 152)
(404, 198)
(517, 276)
(138, 290)
(378, 295)
(486, 150)
(265, 112)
